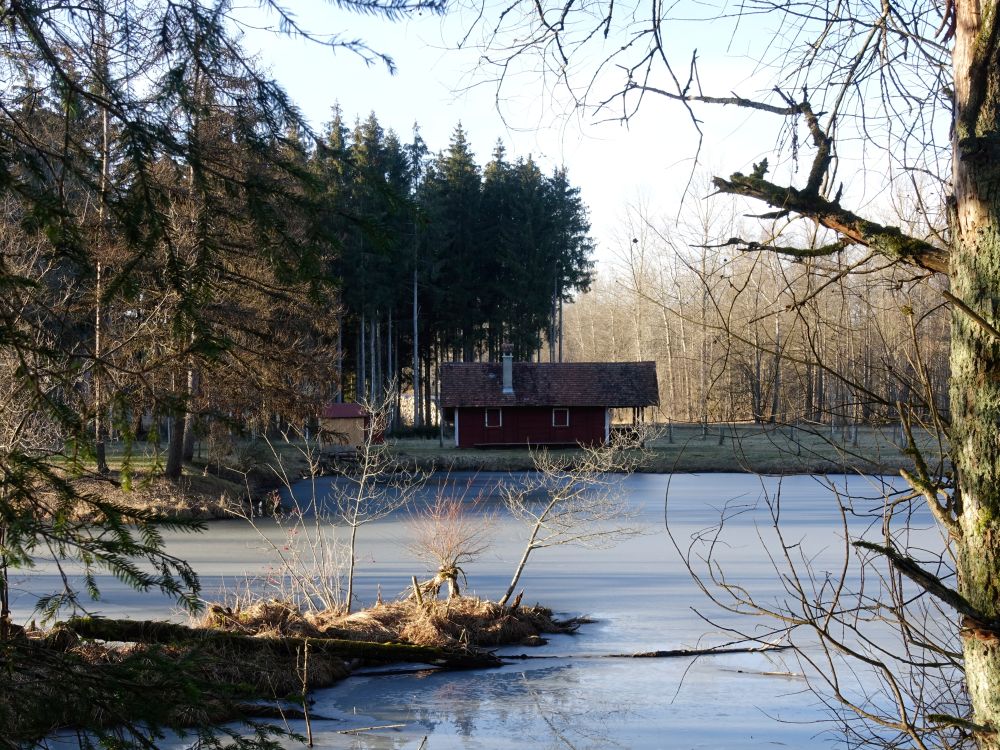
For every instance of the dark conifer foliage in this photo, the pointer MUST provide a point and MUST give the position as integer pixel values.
(165, 250)
(493, 253)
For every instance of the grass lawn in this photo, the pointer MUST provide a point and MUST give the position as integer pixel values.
(743, 447)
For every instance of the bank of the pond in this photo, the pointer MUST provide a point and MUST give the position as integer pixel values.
(244, 481)
(760, 449)
(251, 661)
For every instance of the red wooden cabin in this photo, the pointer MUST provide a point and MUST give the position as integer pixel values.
(527, 403)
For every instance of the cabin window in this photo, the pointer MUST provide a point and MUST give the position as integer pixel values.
(494, 418)
(560, 417)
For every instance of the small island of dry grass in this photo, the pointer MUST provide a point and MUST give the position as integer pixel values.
(459, 622)
(239, 662)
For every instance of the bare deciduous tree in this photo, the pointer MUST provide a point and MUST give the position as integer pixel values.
(576, 499)
(918, 86)
(375, 487)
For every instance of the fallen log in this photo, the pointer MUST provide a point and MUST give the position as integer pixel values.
(277, 711)
(152, 631)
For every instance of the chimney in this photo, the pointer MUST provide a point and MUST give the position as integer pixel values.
(508, 370)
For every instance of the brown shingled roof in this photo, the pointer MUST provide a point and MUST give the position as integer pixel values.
(343, 411)
(609, 384)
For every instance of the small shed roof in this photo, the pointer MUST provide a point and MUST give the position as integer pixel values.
(343, 411)
(608, 384)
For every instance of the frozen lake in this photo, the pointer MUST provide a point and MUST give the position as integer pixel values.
(640, 594)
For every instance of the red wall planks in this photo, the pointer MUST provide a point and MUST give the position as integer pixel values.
(522, 425)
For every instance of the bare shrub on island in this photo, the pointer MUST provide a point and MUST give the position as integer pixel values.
(377, 486)
(316, 551)
(578, 500)
(451, 532)
(301, 537)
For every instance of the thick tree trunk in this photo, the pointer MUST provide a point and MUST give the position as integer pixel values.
(416, 352)
(975, 349)
(361, 391)
(373, 363)
(776, 373)
(339, 385)
(100, 427)
(427, 387)
(175, 447)
(975, 399)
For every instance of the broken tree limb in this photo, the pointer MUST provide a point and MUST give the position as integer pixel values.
(974, 623)
(888, 241)
(151, 631)
(795, 252)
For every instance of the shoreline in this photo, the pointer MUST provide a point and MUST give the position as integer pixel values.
(211, 491)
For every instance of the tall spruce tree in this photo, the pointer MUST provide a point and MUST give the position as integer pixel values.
(451, 202)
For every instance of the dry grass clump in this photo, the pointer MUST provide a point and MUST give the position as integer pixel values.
(477, 622)
(193, 498)
(461, 621)
(266, 617)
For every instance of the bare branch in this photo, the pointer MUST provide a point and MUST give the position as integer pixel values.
(930, 583)
(887, 240)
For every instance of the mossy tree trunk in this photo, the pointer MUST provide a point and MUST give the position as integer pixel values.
(975, 352)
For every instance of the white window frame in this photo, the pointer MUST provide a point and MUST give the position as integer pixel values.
(486, 417)
(563, 409)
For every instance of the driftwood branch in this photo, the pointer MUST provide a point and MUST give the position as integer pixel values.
(150, 631)
(675, 653)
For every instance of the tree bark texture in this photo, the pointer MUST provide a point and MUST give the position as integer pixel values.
(190, 417)
(975, 353)
(975, 357)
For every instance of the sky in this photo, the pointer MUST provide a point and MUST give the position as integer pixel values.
(648, 162)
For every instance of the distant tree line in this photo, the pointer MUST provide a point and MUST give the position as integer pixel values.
(752, 337)
(218, 268)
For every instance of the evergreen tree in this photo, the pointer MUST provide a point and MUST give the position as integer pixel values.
(569, 248)
(450, 199)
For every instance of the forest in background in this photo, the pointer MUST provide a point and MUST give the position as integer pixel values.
(445, 260)
(279, 270)
(755, 337)
(244, 271)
